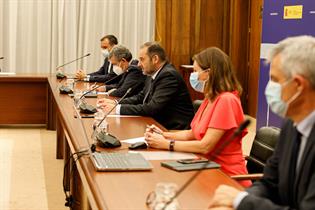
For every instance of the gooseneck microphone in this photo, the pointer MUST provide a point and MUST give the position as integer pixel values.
(235, 134)
(73, 60)
(102, 85)
(87, 92)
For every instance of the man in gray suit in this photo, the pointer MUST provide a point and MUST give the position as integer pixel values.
(289, 175)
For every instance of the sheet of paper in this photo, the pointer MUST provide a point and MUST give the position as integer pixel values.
(134, 140)
(116, 115)
(166, 155)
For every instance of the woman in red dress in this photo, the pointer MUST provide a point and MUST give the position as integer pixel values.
(217, 117)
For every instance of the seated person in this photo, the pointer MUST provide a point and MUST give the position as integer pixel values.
(165, 96)
(217, 117)
(106, 72)
(120, 57)
(289, 177)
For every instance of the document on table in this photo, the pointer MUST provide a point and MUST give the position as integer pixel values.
(134, 140)
(160, 155)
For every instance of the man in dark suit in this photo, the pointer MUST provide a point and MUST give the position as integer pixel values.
(120, 57)
(106, 72)
(164, 97)
(289, 176)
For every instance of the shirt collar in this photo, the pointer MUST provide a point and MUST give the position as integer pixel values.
(153, 76)
(306, 125)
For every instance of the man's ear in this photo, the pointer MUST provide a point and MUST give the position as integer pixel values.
(155, 59)
(301, 82)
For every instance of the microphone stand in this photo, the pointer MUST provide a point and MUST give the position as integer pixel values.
(212, 157)
(73, 60)
(99, 124)
(90, 90)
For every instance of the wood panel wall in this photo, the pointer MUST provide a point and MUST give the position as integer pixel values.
(185, 27)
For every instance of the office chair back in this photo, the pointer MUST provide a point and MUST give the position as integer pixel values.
(263, 147)
(196, 104)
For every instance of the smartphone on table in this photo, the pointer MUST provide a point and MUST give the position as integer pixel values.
(193, 160)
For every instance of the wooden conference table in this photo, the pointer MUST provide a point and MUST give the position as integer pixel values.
(37, 101)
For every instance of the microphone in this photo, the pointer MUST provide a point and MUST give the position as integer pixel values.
(1, 59)
(235, 134)
(112, 138)
(87, 92)
(73, 60)
(101, 86)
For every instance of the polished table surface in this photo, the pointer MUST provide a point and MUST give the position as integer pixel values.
(125, 190)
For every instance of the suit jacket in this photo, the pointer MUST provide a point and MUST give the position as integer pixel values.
(167, 100)
(272, 191)
(132, 78)
(102, 75)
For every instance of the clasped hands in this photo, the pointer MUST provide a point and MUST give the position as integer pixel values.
(80, 74)
(156, 138)
(106, 105)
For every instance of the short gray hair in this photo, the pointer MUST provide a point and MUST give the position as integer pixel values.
(120, 52)
(297, 56)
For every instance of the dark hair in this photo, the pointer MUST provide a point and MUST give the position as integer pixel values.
(120, 52)
(111, 39)
(154, 48)
(221, 75)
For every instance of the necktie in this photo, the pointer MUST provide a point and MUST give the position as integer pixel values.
(294, 158)
(148, 91)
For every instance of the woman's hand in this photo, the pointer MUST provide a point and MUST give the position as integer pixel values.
(156, 140)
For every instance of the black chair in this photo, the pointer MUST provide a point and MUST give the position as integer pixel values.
(262, 148)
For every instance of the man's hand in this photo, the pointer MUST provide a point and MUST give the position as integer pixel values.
(101, 89)
(224, 196)
(104, 101)
(80, 74)
(108, 107)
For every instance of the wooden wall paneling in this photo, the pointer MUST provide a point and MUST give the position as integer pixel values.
(208, 25)
(180, 47)
(254, 54)
(239, 33)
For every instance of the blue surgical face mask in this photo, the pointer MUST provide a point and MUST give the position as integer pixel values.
(273, 94)
(195, 83)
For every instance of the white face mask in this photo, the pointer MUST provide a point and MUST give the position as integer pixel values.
(273, 94)
(117, 70)
(105, 52)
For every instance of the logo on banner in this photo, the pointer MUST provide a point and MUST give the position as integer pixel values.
(293, 12)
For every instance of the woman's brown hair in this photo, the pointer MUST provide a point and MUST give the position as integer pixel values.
(221, 75)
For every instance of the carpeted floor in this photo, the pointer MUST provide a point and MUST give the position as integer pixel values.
(30, 175)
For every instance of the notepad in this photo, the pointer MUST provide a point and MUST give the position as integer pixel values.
(174, 165)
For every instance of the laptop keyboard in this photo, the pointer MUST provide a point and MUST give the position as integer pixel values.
(111, 160)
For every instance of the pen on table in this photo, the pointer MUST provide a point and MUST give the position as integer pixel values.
(154, 130)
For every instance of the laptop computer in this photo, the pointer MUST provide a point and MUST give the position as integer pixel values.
(114, 161)
(130, 161)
